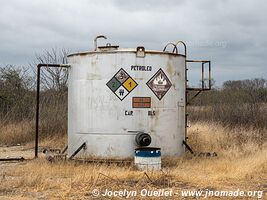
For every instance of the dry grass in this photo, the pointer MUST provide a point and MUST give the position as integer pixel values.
(24, 133)
(241, 163)
(16, 133)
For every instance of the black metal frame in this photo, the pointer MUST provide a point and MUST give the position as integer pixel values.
(38, 101)
(202, 88)
(187, 89)
(203, 62)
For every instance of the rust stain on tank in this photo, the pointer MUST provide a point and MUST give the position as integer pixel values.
(170, 69)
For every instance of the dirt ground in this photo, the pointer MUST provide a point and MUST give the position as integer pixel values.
(12, 152)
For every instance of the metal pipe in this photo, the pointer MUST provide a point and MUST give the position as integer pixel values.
(97, 37)
(209, 76)
(203, 61)
(185, 50)
(37, 111)
(188, 147)
(12, 159)
(38, 101)
(78, 150)
(65, 149)
(202, 77)
(174, 47)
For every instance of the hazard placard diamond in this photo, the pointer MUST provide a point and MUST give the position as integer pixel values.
(159, 84)
(121, 84)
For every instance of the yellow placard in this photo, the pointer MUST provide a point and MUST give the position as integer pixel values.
(129, 84)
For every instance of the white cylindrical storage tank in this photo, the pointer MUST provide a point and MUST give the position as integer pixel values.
(115, 94)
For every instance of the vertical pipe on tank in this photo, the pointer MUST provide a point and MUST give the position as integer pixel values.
(97, 37)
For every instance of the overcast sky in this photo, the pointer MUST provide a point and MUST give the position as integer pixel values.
(230, 33)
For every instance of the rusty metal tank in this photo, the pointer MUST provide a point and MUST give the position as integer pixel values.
(116, 95)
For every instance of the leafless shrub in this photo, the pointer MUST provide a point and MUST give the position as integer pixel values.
(53, 100)
(53, 78)
(241, 102)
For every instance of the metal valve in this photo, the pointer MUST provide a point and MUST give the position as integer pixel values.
(142, 139)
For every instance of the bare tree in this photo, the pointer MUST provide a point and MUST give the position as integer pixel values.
(53, 78)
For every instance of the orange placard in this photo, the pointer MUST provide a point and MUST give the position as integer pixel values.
(141, 102)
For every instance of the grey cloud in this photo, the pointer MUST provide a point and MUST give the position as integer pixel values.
(232, 33)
